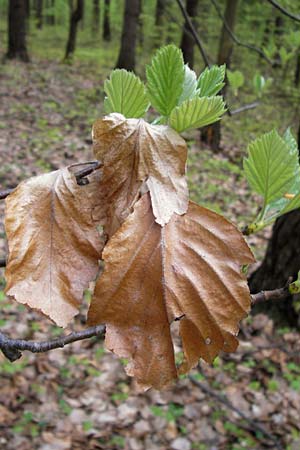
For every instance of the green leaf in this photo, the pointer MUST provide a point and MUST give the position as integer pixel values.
(211, 80)
(291, 141)
(189, 85)
(292, 204)
(126, 94)
(236, 79)
(272, 167)
(196, 113)
(165, 78)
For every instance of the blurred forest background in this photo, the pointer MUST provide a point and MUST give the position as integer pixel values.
(55, 56)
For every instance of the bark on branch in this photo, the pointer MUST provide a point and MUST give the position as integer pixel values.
(80, 176)
(236, 40)
(12, 348)
(284, 11)
(194, 32)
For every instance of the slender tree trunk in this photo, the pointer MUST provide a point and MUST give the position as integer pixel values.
(96, 17)
(27, 8)
(282, 260)
(187, 40)
(17, 31)
(126, 58)
(50, 18)
(75, 17)
(212, 134)
(39, 14)
(140, 25)
(159, 12)
(106, 21)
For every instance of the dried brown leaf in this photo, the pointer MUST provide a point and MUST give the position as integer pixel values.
(54, 245)
(132, 151)
(189, 269)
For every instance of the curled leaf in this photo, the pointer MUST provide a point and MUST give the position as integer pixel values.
(187, 270)
(54, 246)
(133, 152)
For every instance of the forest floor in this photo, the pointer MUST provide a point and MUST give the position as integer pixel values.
(80, 397)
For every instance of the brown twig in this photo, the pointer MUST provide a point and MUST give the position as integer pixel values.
(284, 11)
(266, 296)
(194, 32)
(236, 40)
(222, 399)
(5, 193)
(80, 176)
(12, 348)
(244, 108)
(2, 262)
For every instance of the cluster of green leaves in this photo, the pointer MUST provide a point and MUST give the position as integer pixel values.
(236, 80)
(272, 170)
(182, 100)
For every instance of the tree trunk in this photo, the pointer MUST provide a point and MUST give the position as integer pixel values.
(17, 31)
(187, 40)
(50, 17)
(140, 25)
(75, 17)
(126, 58)
(297, 71)
(282, 260)
(106, 21)
(96, 17)
(159, 12)
(27, 8)
(211, 135)
(39, 14)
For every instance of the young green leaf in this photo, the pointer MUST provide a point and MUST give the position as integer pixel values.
(196, 113)
(126, 94)
(236, 80)
(272, 167)
(165, 78)
(211, 80)
(189, 85)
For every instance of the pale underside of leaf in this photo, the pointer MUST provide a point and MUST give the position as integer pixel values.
(189, 270)
(54, 246)
(126, 94)
(189, 85)
(271, 167)
(134, 152)
(196, 113)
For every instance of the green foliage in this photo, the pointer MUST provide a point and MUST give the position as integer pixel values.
(261, 84)
(173, 412)
(236, 80)
(165, 77)
(285, 55)
(173, 90)
(196, 113)
(211, 80)
(126, 94)
(272, 169)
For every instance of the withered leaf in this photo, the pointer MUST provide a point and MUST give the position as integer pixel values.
(189, 269)
(132, 151)
(54, 245)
